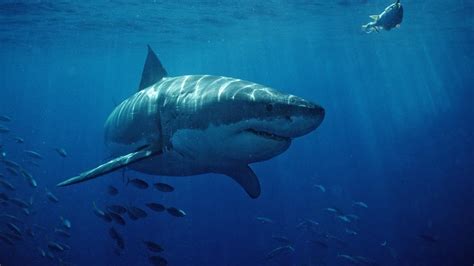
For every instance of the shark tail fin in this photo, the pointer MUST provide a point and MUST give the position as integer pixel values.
(110, 166)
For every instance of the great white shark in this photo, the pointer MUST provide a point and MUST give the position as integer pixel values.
(197, 124)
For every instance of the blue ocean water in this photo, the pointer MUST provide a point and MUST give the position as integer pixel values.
(397, 135)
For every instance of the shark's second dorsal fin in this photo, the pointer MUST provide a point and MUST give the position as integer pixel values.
(153, 71)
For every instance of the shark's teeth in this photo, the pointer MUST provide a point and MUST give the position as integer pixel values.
(266, 134)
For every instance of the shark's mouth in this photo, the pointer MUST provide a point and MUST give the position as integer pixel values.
(267, 135)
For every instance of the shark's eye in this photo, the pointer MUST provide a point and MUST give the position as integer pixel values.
(269, 107)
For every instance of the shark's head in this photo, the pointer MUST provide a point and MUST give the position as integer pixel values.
(250, 123)
(270, 122)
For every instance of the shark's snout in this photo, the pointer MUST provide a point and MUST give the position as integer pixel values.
(305, 119)
(291, 119)
(316, 113)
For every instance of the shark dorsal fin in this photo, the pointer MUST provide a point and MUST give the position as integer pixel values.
(153, 71)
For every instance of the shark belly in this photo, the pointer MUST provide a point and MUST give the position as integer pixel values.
(210, 150)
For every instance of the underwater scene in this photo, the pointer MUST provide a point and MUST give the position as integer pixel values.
(247, 132)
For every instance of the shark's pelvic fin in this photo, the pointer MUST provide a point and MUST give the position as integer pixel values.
(153, 71)
(112, 165)
(374, 17)
(247, 179)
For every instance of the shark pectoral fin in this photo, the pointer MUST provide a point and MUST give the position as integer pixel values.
(111, 166)
(374, 17)
(153, 71)
(247, 179)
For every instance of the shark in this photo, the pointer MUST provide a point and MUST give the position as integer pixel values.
(196, 124)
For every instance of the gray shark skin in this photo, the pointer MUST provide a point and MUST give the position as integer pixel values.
(197, 124)
(390, 18)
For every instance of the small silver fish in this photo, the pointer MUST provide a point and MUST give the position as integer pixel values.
(14, 228)
(33, 154)
(4, 129)
(51, 197)
(137, 212)
(320, 187)
(25, 173)
(353, 217)
(156, 207)
(117, 237)
(11, 217)
(332, 210)
(153, 247)
(62, 232)
(5, 118)
(264, 220)
(32, 182)
(343, 218)
(348, 258)
(12, 171)
(42, 253)
(116, 218)
(33, 163)
(12, 164)
(116, 208)
(19, 140)
(18, 202)
(176, 212)
(66, 223)
(163, 187)
(351, 232)
(62, 152)
(53, 246)
(279, 251)
(101, 214)
(26, 211)
(6, 239)
(7, 184)
(360, 204)
(138, 183)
